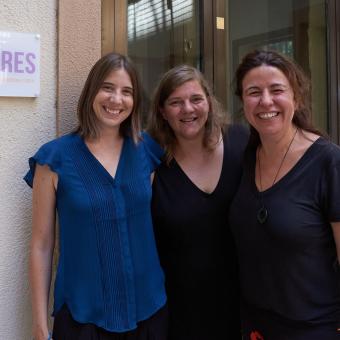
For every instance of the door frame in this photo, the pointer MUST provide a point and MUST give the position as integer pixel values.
(333, 72)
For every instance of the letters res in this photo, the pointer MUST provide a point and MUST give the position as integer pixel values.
(17, 62)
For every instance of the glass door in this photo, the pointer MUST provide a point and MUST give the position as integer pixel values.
(162, 34)
(296, 28)
(214, 35)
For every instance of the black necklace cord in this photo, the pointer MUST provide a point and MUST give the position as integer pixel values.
(262, 213)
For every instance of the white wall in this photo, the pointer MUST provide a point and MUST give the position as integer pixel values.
(25, 123)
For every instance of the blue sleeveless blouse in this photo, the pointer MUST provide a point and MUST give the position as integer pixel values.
(108, 271)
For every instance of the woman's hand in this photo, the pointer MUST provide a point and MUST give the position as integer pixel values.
(40, 334)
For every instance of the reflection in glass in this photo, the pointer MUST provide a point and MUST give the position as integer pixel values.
(162, 34)
(296, 28)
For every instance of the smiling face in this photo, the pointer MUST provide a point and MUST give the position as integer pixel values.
(186, 110)
(268, 101)
(114, 100)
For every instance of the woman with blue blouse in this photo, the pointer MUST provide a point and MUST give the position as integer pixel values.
(109, 282)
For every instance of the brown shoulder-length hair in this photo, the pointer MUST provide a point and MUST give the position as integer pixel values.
(159, 128)
(299, 82)
(87, 121)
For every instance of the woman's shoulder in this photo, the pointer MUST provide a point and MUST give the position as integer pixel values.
(51, 154)
(151, 144)
(147, 139)
(236, 136)
(149, 150)
(236, 132)
(59, 142)
(55, 150)
(238, 128)
(329, 150)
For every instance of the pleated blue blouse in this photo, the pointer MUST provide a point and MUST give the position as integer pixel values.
(108, 272)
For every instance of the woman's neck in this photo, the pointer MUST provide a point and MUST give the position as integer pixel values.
(185, 148)
(273, 146)
(192, 148)
(106, 139)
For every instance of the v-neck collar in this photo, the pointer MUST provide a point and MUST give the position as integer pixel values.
(98, 165)
(308, 153)
(207, 194)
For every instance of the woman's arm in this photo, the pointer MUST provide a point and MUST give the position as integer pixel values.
(336, 233)
(42, 246)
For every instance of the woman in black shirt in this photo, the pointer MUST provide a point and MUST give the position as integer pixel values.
(286, 213)
(192, 191)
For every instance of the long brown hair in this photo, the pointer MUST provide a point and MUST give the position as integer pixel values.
(159, 127)
(87, 121)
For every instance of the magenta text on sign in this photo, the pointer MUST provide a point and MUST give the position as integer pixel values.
(17, 62)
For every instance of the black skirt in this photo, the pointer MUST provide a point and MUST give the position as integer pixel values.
(66, 328)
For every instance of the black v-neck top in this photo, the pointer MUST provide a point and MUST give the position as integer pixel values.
(288, 264)
(196, 248)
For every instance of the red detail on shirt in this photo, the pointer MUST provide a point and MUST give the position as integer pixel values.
(255, 335)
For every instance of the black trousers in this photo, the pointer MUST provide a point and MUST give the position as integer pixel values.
(65, 328)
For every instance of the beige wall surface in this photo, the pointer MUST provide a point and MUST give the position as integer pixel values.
(25, 123)
(79, 48)
(70, 44)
